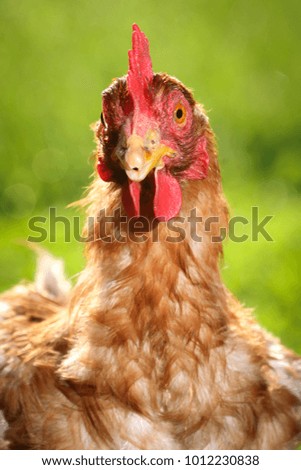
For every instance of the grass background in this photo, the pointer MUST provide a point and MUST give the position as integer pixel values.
(241, 59)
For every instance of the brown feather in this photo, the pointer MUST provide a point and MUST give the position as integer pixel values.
(151, 350)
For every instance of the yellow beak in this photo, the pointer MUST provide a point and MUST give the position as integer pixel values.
(140, 159)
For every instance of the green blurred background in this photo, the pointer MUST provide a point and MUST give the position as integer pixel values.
(240, 57)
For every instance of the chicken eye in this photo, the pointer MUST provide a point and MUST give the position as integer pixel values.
(180, 114)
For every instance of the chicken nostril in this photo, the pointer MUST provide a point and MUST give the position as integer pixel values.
(134, 157)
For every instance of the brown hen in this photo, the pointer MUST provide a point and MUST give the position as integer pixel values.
(149, 350)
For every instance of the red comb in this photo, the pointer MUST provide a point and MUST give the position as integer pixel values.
(140, 68)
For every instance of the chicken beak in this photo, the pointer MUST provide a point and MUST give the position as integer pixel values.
(139, 159)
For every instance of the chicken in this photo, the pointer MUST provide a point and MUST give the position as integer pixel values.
(149, 350)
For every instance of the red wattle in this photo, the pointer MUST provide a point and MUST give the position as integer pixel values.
(168, 196)
(131, 198)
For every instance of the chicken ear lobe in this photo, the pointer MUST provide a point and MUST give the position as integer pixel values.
(104, 172)
(198, 170)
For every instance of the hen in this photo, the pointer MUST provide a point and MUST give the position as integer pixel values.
(149, 350)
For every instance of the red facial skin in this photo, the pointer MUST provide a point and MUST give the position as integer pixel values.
(147, 103)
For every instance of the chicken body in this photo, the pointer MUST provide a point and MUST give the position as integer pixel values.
(150, 350)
